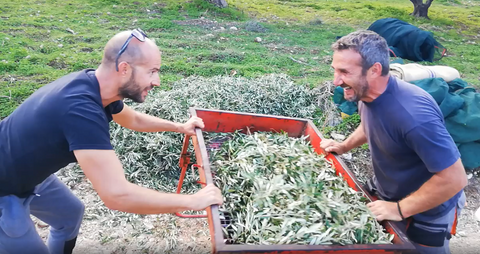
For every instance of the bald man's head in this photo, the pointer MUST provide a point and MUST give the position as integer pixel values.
(138, 67)
(136, 53)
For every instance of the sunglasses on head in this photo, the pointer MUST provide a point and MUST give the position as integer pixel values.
(137, 33)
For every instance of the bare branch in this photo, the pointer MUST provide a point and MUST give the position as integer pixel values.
(428, 3)
(293, 59)
(8, 97)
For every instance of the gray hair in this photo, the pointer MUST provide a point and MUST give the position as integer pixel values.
(371, 46)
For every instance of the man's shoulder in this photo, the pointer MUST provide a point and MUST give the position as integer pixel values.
(78, 89)
(405, 107)
(417, 103)
(73, 95)
(412, 93)
(67, 86)
(81, 82)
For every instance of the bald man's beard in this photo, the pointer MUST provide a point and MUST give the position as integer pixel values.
(132, 90)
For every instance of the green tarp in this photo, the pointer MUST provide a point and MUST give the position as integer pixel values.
(408, 41)
(345, 106)
(460, 105)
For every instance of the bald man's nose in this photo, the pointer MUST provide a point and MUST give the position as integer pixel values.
(156, 81)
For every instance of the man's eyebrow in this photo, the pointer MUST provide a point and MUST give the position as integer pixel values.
(340, 69)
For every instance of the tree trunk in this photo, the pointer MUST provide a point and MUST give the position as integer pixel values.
(219, 3)
(420, 9)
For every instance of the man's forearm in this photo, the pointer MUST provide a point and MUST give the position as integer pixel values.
(356, 139)
(147, 123)
(140, 200)
(438, 189)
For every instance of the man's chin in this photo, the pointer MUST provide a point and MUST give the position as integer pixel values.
(351, 98)
(138, 99)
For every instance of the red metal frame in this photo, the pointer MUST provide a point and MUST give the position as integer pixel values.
(184, 162)
(227, 121)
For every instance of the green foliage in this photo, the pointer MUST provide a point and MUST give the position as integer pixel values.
(364, 146)
(347, 126)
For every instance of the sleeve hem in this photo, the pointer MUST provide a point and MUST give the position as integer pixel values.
(446, 163)
(86, 147)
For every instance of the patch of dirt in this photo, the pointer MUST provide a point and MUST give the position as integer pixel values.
(88, 50)
(220, 57)
(57, 64)
(206, 24)
(160, 5)
(12, 78)
(429, 27)
(327, 59)
(285, 49)
(358, 161)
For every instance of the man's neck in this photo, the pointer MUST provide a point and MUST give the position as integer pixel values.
(108, 85)
(376, 88)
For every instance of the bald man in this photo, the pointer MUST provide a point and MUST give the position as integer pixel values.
(68, 121)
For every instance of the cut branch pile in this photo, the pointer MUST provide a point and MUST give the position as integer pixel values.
(277, 190)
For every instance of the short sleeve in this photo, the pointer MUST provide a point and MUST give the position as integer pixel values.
(434, 145)
(115, 107)
(86, 127)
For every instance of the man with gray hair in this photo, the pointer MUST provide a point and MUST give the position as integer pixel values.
(418, 174)
(68, 121)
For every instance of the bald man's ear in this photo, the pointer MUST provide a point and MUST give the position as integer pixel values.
(123, 68)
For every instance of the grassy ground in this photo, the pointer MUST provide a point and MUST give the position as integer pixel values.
(43, 40)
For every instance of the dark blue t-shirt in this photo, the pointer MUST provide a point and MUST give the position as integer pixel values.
(408, 141)
(39, 137)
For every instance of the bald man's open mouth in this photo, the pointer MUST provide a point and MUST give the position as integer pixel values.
(149, 88)
(146, 90)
